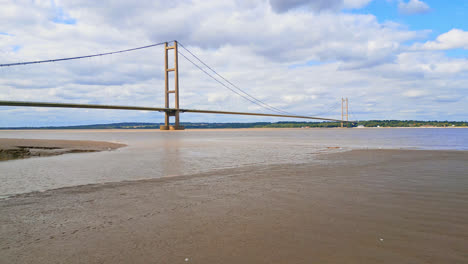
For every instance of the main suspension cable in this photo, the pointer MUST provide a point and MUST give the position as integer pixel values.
(80, 57)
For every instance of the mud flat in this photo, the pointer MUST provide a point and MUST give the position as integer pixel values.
(363, 206)
(12, 148)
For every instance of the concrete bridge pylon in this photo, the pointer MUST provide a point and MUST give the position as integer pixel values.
(168, 113)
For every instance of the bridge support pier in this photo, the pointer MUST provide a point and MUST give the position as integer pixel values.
(167, 125)
(175, 113)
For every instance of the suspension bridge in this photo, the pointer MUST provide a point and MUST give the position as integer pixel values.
(175, 110)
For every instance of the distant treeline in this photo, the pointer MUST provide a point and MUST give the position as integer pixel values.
(411, 123)
(370, 123)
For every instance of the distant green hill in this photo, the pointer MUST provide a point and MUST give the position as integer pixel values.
(370, 123)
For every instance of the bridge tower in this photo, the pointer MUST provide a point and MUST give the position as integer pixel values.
(167, 92)
(344, 101)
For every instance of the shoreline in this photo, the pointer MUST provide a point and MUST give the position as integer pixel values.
(359, 206)
(216, 129)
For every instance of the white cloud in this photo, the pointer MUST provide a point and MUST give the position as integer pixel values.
(413, 7)
(454, 39)
(297, 98)
(414, 93)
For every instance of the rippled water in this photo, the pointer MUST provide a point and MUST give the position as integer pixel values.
(154, 154)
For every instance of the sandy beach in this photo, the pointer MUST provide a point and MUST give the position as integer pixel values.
(361, 206)
(14, 148)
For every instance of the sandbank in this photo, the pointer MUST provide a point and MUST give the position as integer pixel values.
(14, 148)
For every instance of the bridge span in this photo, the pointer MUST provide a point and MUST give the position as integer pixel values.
(168, 110)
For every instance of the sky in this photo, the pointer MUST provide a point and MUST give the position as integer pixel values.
(393, 59)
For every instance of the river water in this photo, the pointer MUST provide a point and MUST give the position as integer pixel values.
(155, 154)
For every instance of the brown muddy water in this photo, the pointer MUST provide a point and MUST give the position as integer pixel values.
(154, 154)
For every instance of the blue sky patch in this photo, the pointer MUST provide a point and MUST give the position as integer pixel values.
(61, 17)
(64, 20)
(16, 48)
(457, 53)
(443, 16)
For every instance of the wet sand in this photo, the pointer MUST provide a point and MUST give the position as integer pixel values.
(362, 206)
(14, 148)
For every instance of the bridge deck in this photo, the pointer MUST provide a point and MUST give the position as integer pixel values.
(157, 109)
